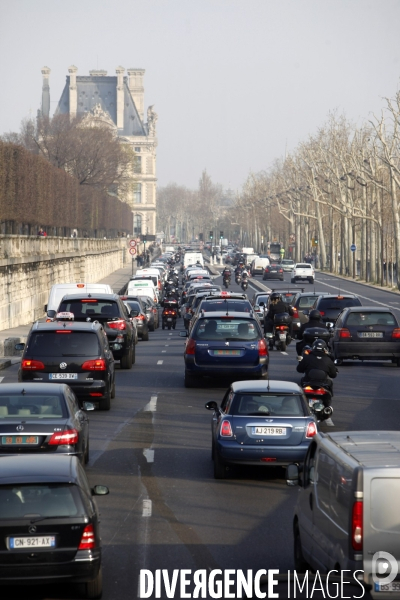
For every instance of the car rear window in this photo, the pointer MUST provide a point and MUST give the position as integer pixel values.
(337, 303)
(288, 297)
(303, 266)
(262, 404)
(371, 318)
(132, 305)
(52, 343)
(44, 406)
(236, 305)
(262, 299)
(40, 500)
(152, 278)
(91, 308)
(307, 301)
(226, 329)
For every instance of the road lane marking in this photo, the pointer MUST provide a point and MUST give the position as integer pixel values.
(160, 362)
(147, 508)
(337, 287)
(152, 405)
(329, 422)
(163, 351)
(1, 379)
(166, 345)
(148, 453)
(284, 353)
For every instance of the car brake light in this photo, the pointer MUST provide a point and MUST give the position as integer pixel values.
(120, 325)
(268, 459)
(64, 438)
(32, 365)
(94, 365)
(396, 334)
(64, 331)
(141, 317)
(295, 311)
(80, 285)
(322, 313)
(88, 300)
(344, 333)
(88, 541)
(357, 525)
(226, 429)
(311, 430)
(124, 297)
(191, 346)
(262, 348)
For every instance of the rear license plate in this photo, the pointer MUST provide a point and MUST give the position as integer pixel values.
(282, 336)
(371, 334)
(269, 430)
(273, 271)
(10, 440)
(38, 541)
(226, 352)
(394, 586)
(169, 319)
(63, 376)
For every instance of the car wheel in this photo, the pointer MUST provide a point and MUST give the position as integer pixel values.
(300, 563)
(136, 338)
(311, 280)
(113, 389)
(151, 327)
(105, 403)
(212, 450)
(163, 325)
(190, 380)
(169, 326)
(219, 467)
(283, 346)
(126, 360)
(94, 589)
(292, 280)
(264, 278)
(145, 336)
(133, 355)
(86, 456)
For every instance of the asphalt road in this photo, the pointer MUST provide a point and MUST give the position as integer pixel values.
(153, 450)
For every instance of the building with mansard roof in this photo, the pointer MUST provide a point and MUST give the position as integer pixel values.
(117, 101)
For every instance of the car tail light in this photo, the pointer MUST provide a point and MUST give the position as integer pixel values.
(191, 346)
(141, 317)
(32, 365)
(280, 270)
(344, 334)
(262, 348)
(94, 365)
(64, 438)
(226, 429)
(95, 394)
(124, 297)
(357, 525)
(322, 313)
(396, 334)
(268, 459)
(319, 392)
(88, 300)
(88, 541)
(120, 325)
(311, 430)
(64, 331)
(295, 311)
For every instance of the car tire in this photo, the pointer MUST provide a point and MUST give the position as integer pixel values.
(145, 337)
(219, 467)
(94, 589)
(300, 563)
(264, 278)
(212, 450)
(163, 326)
(292, 280)
(86, 455)
(151, 327)
(311, 280)
(133, 355)
(283, 347)
(113, 389)
(105, 403)
(189, 380)
(126, 361)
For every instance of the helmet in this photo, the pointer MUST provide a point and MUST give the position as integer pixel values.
(315, 315)
(275, 296)
(320, 346)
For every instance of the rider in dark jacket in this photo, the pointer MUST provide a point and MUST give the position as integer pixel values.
(226, 273)
(318, 366)
(276, 306)
(315, 320)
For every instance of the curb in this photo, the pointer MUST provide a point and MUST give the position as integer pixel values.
(369, 285)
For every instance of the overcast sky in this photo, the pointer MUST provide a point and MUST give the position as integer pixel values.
(234, 82)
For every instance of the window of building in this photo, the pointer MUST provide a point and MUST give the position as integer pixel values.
(137, 149)
(137, 193)
(137, 224)
(137, 164)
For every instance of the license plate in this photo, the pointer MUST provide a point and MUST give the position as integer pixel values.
(226, 352)
(282, 336)
(63, 376)
(394, 586)
(269, 430)
(273, 271)
(10, 440)
(371, 334)
(37, 541)
(169, 319)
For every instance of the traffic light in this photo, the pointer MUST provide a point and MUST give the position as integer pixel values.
(211, 235)
(144, 240)
(221, 235)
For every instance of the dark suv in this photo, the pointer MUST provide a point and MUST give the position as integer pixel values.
(110, 311)
(74, 353)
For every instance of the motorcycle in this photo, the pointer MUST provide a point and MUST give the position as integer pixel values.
(312, 334)
(227, 282)
(238, 279)
(245, 284)
(319, 395)
(280, 336)
(169, 313)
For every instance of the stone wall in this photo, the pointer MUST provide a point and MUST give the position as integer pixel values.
(30, 265)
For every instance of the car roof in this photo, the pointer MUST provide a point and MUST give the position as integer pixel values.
(36, 389)
(38, 468)
(72, 325)
(286, 387)
(93, 295)
(369, 448)
(363, 309)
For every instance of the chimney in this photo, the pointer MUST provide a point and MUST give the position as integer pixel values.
(73, 93)
(120, 97)
(46, 92)
(135, 83)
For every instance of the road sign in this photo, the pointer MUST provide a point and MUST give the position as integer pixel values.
(353, 247)
(132, 251)
(132, 243)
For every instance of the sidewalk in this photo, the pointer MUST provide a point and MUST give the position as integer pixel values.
(15, 335)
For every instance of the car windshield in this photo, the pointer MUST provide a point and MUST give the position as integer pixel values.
(259, 405)
(371, 318)
(33, 501)
(30, 405)
(226, 329)
(132, 305)
(337, 303)
(90, 309)
(63, 343)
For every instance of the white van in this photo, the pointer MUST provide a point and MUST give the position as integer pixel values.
(142, 287)
(149, 272)
(258, 265)
(59, 290)
(192, 258)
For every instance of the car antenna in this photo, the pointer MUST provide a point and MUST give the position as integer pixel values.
(23, 392)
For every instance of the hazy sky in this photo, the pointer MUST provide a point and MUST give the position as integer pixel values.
(233, 81)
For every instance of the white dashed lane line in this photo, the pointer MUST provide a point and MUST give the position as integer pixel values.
(160, 362)
(1, 379)
(284, 353)
(147, 508)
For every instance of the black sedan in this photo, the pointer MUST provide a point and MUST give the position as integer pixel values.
(49, 523)
(330, 306)
(273, 271)
(43, 418)
(260, 423)
(366, 333)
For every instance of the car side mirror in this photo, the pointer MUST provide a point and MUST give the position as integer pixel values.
(100, 490)
(183, 334)
(88, 406)
(51, 314)
(211, 405)
(292, 475)
(19, 347)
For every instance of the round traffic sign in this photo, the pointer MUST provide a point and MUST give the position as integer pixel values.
(132, 251)
(353, 247)
(132, 243)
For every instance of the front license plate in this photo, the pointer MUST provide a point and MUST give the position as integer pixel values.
(63, 376)
(371, 334)
(37, 541)
(269, 430)
(10, 440)
(394, 586)
(226, 352)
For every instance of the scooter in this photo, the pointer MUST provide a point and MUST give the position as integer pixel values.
(245, 284)
(227, 282)
(319, 398)
(169, 314)
(238, 279)
(280, 336)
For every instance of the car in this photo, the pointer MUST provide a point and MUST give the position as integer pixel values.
(225, 344)
(228, 301)
(43, 418)
(49, 523)
(366, 333)
(258, 265)
(59, 290)
(137, 314)
(302, 271)
(287, 264)
(330, 306)
(153, 316)
(260, 423)
(273, 271)
(259, 303)
(303, 303)
(109, 310)
(70, 352)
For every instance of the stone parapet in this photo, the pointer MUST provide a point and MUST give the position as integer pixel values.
(30, 265)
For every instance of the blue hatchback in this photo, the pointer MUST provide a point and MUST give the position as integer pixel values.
(225, 344)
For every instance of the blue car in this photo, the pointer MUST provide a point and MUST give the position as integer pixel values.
(225, 343)
(260, 423)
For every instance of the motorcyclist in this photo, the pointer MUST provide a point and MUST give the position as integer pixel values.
(226, 273)
(315, 320)
(318, 367)
(276, 306)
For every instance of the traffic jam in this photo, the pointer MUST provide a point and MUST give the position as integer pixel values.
(234, 318)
